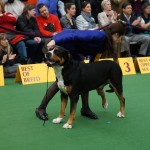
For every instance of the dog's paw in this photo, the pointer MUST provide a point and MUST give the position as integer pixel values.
(57, 120)
(105, 106)
(67, 126)
(120, 115)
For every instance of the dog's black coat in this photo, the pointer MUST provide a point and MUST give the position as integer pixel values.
(85, 77)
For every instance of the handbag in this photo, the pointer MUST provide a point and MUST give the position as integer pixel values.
(50, 27)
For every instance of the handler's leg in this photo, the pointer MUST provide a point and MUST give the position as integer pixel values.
(85, 110)
(41, 110)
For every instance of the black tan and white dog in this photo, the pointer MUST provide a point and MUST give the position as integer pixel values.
(75, 77)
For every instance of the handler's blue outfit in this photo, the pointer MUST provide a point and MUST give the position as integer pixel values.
(84, 42)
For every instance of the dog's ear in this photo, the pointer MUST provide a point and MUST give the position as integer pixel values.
(62, 53)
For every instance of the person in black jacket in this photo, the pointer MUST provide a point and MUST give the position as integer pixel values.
(27, 23)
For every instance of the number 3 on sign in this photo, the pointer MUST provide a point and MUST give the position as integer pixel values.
(127, 65)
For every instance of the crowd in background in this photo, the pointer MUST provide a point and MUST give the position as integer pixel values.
(50, 17)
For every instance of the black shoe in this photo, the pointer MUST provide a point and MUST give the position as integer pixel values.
(41, 114)
(88, 113)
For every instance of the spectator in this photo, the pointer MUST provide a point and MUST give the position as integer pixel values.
(145, 21)
(68, 20)
(85, 21)
(7, 58)
(27, 23)
(55, 7)
(17, 41)
(14, 6)
(49, 24)
(145, 17)
(132, 34)
(108, 15)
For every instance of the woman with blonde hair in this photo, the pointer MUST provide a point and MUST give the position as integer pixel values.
(7, 58)
(108, 15)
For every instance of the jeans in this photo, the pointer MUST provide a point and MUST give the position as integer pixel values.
(35, 50)
(21, 49)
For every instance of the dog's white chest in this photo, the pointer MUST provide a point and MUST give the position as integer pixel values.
(60, 82)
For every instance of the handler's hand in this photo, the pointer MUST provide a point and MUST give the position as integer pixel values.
(51, 44)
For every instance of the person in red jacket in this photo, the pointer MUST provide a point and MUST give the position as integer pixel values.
(8, 20)
(48, 24)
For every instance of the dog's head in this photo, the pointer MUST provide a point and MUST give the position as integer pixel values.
(57, 56)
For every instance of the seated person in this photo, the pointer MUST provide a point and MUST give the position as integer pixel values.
(27, 23)
(132, 34)
(145, 18)
(68, 21)
(7, 58)
(14, 6)
(17, 41)
(145, 21)
(108, 15)
(48, 24)
(55, 7)
(85, 21)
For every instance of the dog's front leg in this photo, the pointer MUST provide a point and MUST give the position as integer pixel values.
(73, 105)
(102, 94)
(64, 100)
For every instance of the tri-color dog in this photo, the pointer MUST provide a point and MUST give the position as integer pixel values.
(75, 77)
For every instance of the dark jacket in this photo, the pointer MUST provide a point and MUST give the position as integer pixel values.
(25, 25)
(65, 23)
(130, 29)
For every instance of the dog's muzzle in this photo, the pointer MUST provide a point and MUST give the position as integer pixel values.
(48, 56)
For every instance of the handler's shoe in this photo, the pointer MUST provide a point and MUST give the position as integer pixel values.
(41, 114)
(88, 113)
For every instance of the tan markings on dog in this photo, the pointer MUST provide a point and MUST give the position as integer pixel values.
(64, 101)
(102, 94)
(121, 99)
(56, 58)
(72, 115)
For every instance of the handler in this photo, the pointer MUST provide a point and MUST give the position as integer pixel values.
(82, 43)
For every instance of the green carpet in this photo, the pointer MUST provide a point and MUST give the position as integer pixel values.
(21, 130)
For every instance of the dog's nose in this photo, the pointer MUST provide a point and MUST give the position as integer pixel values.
(48, 55)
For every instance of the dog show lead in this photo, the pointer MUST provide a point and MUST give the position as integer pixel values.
(81, 43)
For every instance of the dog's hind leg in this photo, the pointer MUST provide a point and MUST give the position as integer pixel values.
(122, 101)
(64, 100)
(101, 92)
